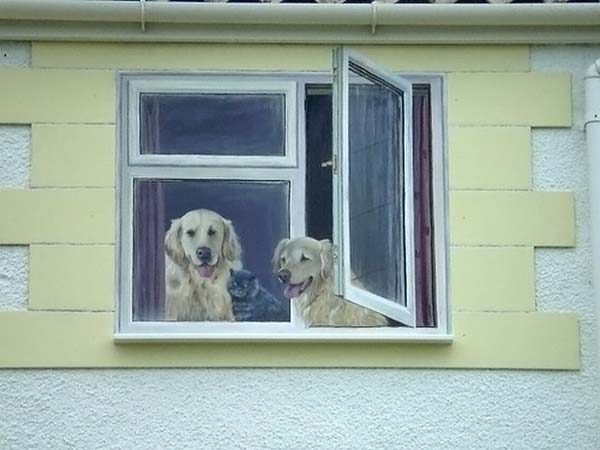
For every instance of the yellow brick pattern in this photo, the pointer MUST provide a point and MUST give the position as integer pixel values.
(72, 155)
(57, 96)
(86, 216)
(512, 218)
(483, 340)
(68, 219)
(489, 157)
(72, 277)
(74, 216)
(527, 99)
(492, 278)
(80, 278)
(67, 155)
(275, 57)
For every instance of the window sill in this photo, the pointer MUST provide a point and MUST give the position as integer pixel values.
(321, 335)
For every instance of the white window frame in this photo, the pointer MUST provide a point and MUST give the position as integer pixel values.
(214, 85)
(164, 331)
(342, 59)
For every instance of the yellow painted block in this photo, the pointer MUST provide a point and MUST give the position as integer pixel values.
(529, 99)
(72, 277)
(492, 278)
(490, 157)
(512, 218)
(73, 155)
(275, 57)
(476, 217)
(55, 96)
(81, 277)
(482, 340)
(57, 216)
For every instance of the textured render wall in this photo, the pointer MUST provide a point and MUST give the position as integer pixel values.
(343, 409)
(15, 144)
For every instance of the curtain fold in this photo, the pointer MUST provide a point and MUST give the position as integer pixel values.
(148, 251)
(423, 202)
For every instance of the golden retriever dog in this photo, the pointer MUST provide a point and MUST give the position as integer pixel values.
(202, 247)
(304, 265)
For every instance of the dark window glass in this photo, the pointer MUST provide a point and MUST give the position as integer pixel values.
(257, 210)
(319, 195)
(212, 124)
(376, 191)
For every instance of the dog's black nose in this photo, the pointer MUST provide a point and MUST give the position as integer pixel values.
(203, 254)
(284, 276)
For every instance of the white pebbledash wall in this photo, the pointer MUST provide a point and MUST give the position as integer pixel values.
(329, 409)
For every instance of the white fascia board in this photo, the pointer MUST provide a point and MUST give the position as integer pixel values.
(268, 22)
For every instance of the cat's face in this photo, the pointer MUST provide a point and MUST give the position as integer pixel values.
(241, 283)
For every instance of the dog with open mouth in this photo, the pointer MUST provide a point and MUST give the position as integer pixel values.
(201, 249)
(304, 266)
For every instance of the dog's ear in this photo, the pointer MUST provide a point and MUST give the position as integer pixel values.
(326, 258)
(277, 253)
(232, 250)
(173, 246)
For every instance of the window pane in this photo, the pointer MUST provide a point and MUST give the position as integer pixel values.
(319, 180)
(319, 177)
(376, 191)
(212, 124)
(259, 215)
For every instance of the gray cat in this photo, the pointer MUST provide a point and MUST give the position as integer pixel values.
(252, 302)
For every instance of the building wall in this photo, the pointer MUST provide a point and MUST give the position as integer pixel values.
(496, 316)
(67, 217)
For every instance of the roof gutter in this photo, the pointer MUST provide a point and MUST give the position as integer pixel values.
(301, 14)
(147, 20)
(592, 135)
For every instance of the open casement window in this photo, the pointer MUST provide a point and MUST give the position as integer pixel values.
(373, 220)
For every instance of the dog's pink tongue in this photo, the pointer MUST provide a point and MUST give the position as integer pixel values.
(292, 290)
(205, 271)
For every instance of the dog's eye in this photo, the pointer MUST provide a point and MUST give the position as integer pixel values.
(304, 258)
(283, 260)
(212, 232)
(190, 233)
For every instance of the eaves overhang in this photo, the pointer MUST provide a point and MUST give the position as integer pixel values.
(377, 22)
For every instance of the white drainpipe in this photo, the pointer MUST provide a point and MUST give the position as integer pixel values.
(592, 132)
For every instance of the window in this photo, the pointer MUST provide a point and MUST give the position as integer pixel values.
(373, 229)
(223, 176)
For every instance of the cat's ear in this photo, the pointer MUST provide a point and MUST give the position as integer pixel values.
(326, 258)
(173, 246)
(277, 253)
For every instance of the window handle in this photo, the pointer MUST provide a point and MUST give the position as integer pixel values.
(331, 163)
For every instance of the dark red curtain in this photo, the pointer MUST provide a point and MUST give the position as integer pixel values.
(424, 243)
(148, 244)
